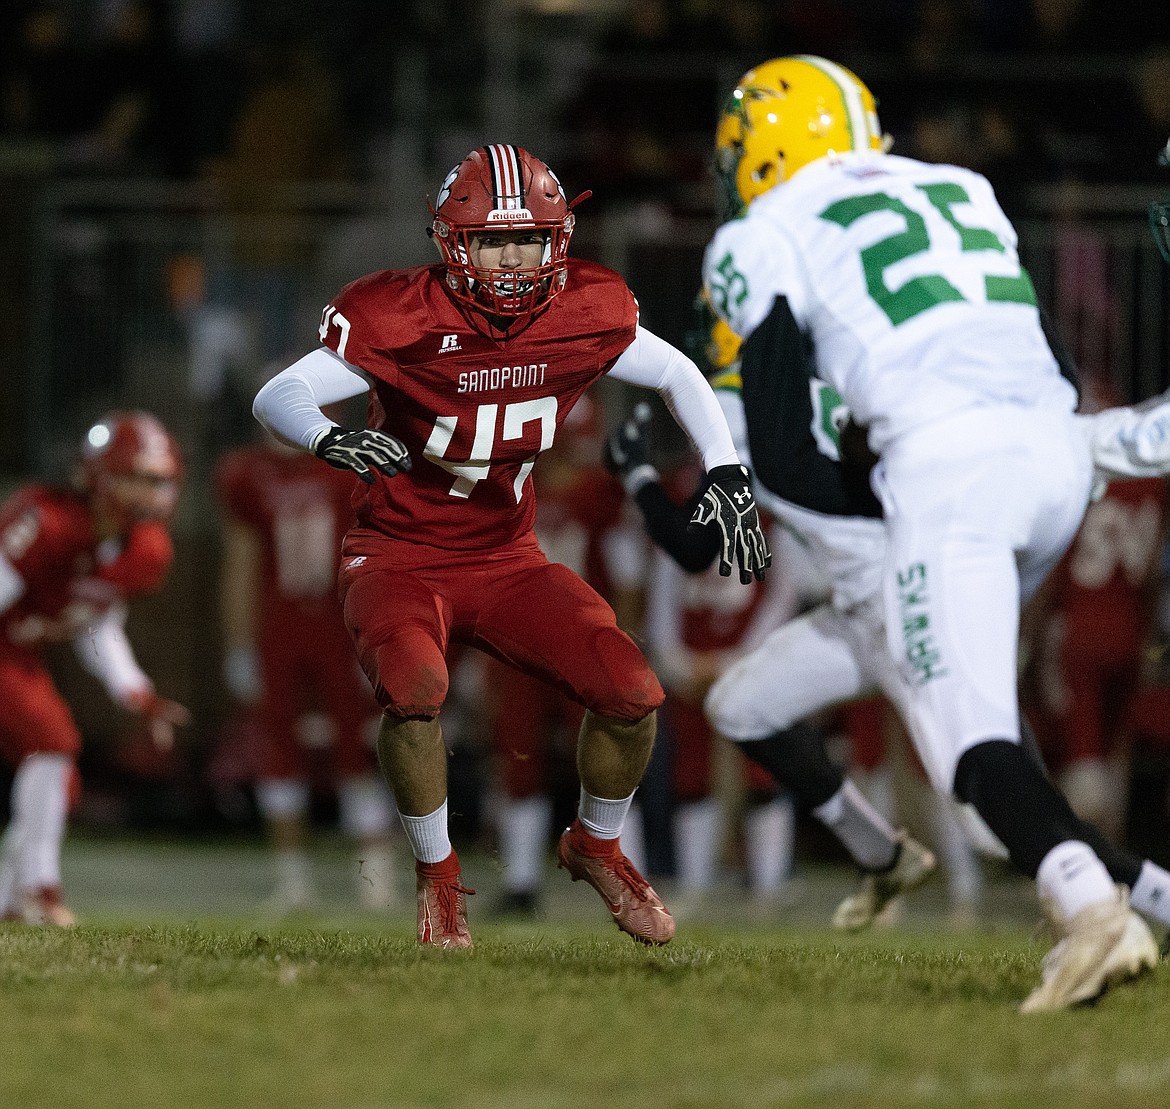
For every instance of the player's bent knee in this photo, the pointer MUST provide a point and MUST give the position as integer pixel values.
(416, 691)
(623, 686)
(735, 709)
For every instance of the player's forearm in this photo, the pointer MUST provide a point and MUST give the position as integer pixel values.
(1130, 442)
(105, 651)
(653, 363)
(11, 585)
(290, 404)
(666, 524)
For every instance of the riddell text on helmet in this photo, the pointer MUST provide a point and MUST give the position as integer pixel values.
(502, 377)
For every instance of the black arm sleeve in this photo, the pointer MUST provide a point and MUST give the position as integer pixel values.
(777, 367)
(1068, 368)
(666, 523)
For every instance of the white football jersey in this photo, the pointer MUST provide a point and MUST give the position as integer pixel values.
(906, 278)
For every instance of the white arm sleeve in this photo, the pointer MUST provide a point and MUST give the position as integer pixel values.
(1130, 442)
(105, 652)
(290, 404)
(653, 363)
(11, 584)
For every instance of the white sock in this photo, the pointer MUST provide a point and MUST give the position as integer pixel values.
(427, 835)
(375, 875)
(282, 798)
(11, 850)
(524, 824)
(363, 808)
(963, 872)
(40, 797)
(866, 834)
(1073, 877)
(602, 817)
(294, 880)
(634, 839)
(697, 842)
(769, 833)
(1151, 892)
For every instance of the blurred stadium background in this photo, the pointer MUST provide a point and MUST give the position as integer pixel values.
(185, 183)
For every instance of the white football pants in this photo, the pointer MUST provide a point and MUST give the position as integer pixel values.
(979, 507)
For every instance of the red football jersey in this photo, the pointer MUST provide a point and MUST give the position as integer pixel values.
(71, 579)
(473, 411)
(1104, 582)
(573, 520)
(299, 509)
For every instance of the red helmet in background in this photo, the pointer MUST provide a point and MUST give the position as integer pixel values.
(131, 468)
(503, 188)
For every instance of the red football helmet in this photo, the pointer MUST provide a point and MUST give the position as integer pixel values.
(503, 188)
(131, 467)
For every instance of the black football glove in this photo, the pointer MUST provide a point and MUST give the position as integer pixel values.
(627, 450)
(729, 507)
(363, 451)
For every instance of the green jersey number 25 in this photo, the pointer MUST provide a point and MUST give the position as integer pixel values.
(923, 292)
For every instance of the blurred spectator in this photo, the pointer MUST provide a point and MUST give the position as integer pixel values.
(1093, 622)
(99, 100)
(697, 626)
(1145, 119)
(206, 77)
(289, 664)
(580, 524)
(288, 134)
(645, 112)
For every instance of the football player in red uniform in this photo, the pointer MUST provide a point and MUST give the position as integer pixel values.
(471, 366)
(70, 559)
(697, 625)
(1095, 618)
(287, 656)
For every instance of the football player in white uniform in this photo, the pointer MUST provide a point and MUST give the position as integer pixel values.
(901, 282)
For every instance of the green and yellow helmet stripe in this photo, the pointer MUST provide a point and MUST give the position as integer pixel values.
(856, 116)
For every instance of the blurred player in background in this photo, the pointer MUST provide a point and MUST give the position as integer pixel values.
(696, 626)
(1094, 622)
(822, 657)
(900, 284)
(580, 523)
(471, 366)
(287, 659)
(71, 558)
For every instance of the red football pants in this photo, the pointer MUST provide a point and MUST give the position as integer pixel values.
(34, 717)
(307, 665)
(405, 603)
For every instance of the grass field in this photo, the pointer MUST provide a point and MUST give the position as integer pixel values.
(345, 1011)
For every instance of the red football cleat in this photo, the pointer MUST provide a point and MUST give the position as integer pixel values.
(44, 906)
(442, 904)
(636, 908)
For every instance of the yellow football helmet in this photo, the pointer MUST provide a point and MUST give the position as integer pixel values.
(722, 346)
(786, 113)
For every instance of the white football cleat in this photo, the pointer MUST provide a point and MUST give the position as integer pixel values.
(913, 864)
(1103, 945)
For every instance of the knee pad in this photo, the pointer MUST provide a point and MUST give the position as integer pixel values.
(631, 691)
(797, 759)
(409, 688)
